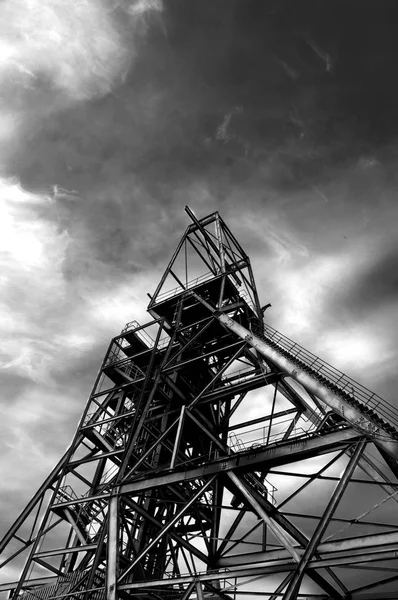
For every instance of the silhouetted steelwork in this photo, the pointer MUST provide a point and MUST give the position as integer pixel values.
(215, 458)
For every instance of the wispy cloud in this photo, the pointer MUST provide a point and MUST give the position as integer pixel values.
(56, 55)
(52, 54)
(49, 39)
(272, 231)
(34, 288)
(324, 56)
(74, 46)
(140, 7)
(59, 293)
(31, 255)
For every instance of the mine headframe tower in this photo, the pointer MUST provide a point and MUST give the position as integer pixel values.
(215, 458)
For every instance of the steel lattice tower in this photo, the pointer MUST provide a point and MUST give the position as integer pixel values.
(215, 458)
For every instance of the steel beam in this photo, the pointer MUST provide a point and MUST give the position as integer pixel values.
(273, 567)
(292, 589)
(274, 527)
(384, 541)
(276, 454)
(112, 548)
(58, 551)
(335, 401)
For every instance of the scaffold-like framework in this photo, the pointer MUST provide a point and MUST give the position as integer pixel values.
(215, 458)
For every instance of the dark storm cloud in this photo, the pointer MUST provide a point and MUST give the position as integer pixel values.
(167, 125)
(377, 286)
(210, 58)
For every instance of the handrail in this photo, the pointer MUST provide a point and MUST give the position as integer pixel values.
(190, 284)
(234, 377)
(148, 340)
(322, 369)
(243, 293)
(141, 333)
(67, 492)
(262, 439)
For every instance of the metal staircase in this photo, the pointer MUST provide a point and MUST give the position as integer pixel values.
(375, 407)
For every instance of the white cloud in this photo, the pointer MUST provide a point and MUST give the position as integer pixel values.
(28, 242)
(305, 289)
(48, 318)
(355, 347)
(140, 7)
(43, 318)
(112, 310)
(73, 44)
(36, 417)
(31, 255)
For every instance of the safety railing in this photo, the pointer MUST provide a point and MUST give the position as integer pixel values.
(264, 487)
(97, 417)
(128, 367)
(60, 589)
(244, 294)
(190, 284)
(255, 439)
(146, 338)
(131, 370)
(233, 378)
(242, 291)
(90, 512)
(323, 369)
(55, 594)
(65, 494)
(135, 327)
(227, 583)
(262, 436)
(115, 354)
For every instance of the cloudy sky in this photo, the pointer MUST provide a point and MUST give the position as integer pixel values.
(114, 114)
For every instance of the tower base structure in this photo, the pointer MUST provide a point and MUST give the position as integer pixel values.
(215, 458)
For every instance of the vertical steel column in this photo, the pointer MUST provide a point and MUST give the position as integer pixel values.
(199, 591)
(220, 244)
(112, 549)
(291, 592)
(222, 260)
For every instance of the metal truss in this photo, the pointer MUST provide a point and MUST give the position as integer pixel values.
(215, 458)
